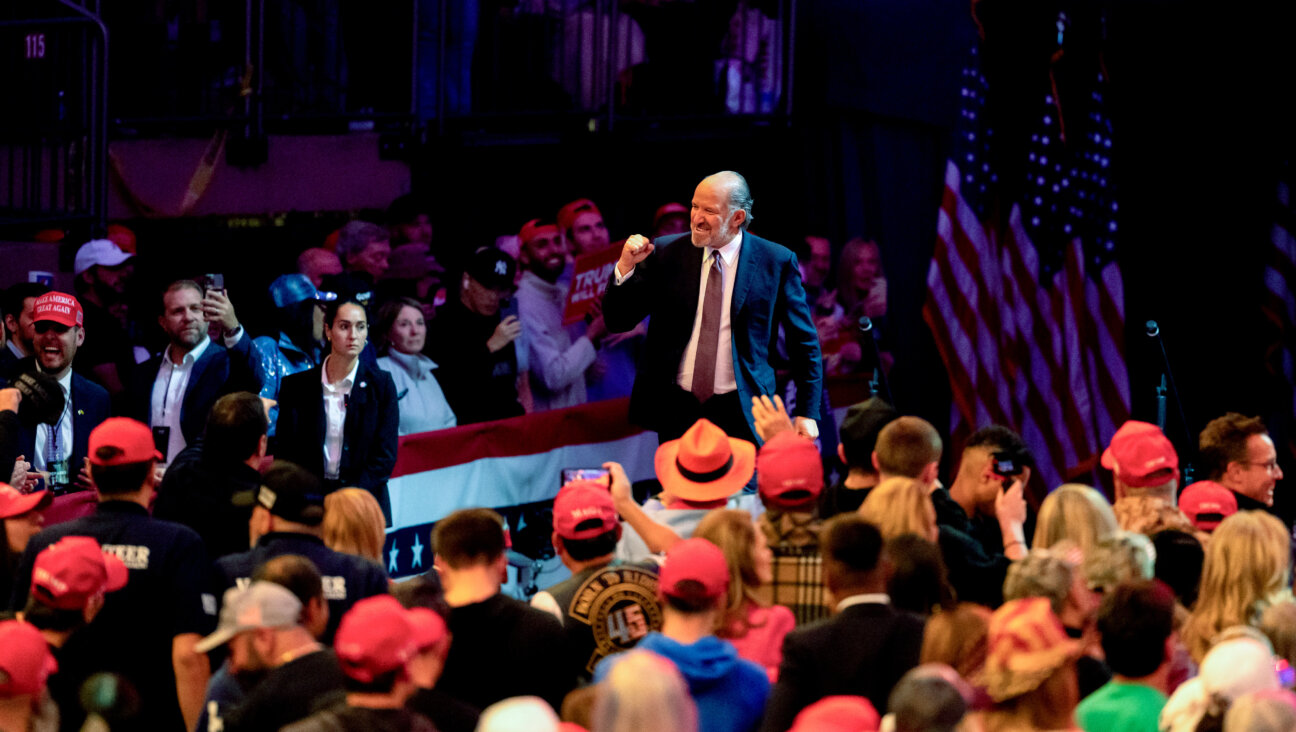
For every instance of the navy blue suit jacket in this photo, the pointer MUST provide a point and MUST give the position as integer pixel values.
(90, 407)
(767, 294)
(220, 371)
(369, 437)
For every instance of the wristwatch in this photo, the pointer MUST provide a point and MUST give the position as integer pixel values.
(811, 426)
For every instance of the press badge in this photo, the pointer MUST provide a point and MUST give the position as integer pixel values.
(58, 472)
(162, 440)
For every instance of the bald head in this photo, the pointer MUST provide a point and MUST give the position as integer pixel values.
(737, 194)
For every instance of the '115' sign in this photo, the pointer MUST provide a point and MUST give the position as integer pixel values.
(35, 45)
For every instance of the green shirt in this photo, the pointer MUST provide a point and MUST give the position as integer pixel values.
(1121, 707)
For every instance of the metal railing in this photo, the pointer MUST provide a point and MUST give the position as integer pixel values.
(53, 137)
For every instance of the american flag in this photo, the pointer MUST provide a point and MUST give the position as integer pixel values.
(1027, 308)
(1280, 302)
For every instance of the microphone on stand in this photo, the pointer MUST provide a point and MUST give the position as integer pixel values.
(879, 377)
(1167, 387)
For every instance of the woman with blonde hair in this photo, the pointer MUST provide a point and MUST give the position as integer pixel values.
(898, 506)
(1076, 512)
(861, 284)
(644, 693)
(353, 523)
(1246, 570)
(754, 628)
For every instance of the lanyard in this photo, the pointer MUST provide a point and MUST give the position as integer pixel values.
(54, 431)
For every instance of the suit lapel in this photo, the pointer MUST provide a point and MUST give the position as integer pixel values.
(195, 376)
(746, 270)
(80, 422)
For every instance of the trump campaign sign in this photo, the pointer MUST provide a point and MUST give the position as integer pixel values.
(589, 280)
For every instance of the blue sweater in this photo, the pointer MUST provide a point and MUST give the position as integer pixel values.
(729, 691)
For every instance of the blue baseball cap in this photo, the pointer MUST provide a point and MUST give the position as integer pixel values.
(291, 289)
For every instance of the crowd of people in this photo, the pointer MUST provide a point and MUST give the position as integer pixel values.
(882, 600)
(194, 540)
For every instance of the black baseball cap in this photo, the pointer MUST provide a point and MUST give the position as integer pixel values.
(860, 429)
(292, 493)
(492, 268)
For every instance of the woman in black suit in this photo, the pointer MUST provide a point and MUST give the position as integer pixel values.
(339, 419)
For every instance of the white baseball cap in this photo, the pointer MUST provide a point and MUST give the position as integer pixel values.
(100, 252)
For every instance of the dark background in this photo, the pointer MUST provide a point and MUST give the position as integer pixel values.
(1198, 97)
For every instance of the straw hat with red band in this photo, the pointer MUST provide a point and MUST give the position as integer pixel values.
(705, 464)
(1027, 644)
(14, 503)
(129, 442)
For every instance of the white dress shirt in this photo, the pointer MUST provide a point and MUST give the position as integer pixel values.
(868, 598)
(725, 381)
(724, 370)
(44, 446)
(336, 397)
(168, 395)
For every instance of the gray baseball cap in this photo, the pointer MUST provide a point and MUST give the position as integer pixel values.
(259, 605)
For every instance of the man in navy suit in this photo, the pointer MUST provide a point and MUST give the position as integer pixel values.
(60, 449)
(173, 391)
(716, 308)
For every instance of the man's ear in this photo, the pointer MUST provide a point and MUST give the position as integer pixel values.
(556, 540)
(262, 445)
(876, 467)
(739, 217)
(1233, 471)
(841, 452)
(930, 473)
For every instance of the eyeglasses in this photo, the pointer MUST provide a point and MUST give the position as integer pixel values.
(1271, 466)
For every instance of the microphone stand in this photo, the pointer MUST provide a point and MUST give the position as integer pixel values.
(1168, 385)
(879, 377)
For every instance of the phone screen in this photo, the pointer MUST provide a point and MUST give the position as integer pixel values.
(570, 474)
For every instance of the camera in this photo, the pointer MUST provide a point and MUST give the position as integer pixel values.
(1006, 464)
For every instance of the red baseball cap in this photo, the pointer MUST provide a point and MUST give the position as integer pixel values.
(1207, 503)
(375, 637)
(838, 714)
(15, 503)
(25, 659)
(132, 442)
(698, 560)
(669, 209)
(57, 307)
(534, 228)
(567, 214)
(429, 627)
(74, 569)
(584, 510)
(1139, 454)
(789, 472)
